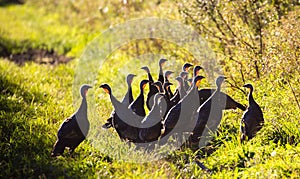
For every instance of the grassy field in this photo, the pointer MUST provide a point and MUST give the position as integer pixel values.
(36, 98)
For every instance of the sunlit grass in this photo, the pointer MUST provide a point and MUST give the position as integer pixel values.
(35, 99)
(35, 28)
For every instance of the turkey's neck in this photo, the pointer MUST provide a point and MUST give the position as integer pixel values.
(193, 89)
(250, 97)
(160, 70)
(195, 73)
(113, 99)
(181, 90)
(166, 79)
(130, 93)
(219, 87)
(150, 77)
(141, 95)
(83, 107)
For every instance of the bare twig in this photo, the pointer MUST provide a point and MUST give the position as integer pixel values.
(232, 32)
(241, 71)
(293, 91)
(235, 86)
(244, 18)
(260, 26)
(213, 34)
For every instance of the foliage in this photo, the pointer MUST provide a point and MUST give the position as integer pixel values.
(237, 29)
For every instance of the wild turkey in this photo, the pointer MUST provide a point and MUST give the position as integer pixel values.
(161, 73)
(209, 116)
(126, 123)
(137, 106)
(74, 129)
(151, 125)
(127, 99)
(179, 93)
(180, 117)
(152, 89)
(252, 120)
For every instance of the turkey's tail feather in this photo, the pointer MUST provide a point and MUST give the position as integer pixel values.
(58, 148)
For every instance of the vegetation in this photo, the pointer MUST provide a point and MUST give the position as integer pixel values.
(254, 41)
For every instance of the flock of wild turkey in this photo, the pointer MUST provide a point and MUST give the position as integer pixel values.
(186, 111)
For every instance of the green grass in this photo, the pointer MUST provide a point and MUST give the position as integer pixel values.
(35, 28)
(35, 99)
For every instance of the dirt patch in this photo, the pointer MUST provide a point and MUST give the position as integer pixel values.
(39, 56)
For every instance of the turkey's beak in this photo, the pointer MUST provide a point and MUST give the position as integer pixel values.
(144, 68)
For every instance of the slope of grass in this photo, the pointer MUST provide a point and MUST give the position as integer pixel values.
(67, 26)
(36, 29)
(35, 99)
(34, 102)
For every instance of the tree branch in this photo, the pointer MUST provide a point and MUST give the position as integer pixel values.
(293, 91)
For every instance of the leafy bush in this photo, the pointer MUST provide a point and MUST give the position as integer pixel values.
(237, 29)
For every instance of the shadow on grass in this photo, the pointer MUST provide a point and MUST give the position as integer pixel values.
(11, 2)
(25, 143)
(188, 153)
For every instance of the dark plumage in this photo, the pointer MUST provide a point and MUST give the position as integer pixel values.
(126, 122)
(188, 81)
(137, 106)
(196, 70)
(151, 126)
(159, 87)
(152, 89)
(74, 129)
(168, 90)
(161, 73)
(227, 101)
(163, 92)
(209, 116)
(186, 66)
(181, 90)
(185, 75)
(127, 99)
(167, 75)
(252, 120)
(181, 116)
(150, 78)
(179, 93)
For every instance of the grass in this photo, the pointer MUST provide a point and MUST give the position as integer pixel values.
(35, 99)
(35, 28)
